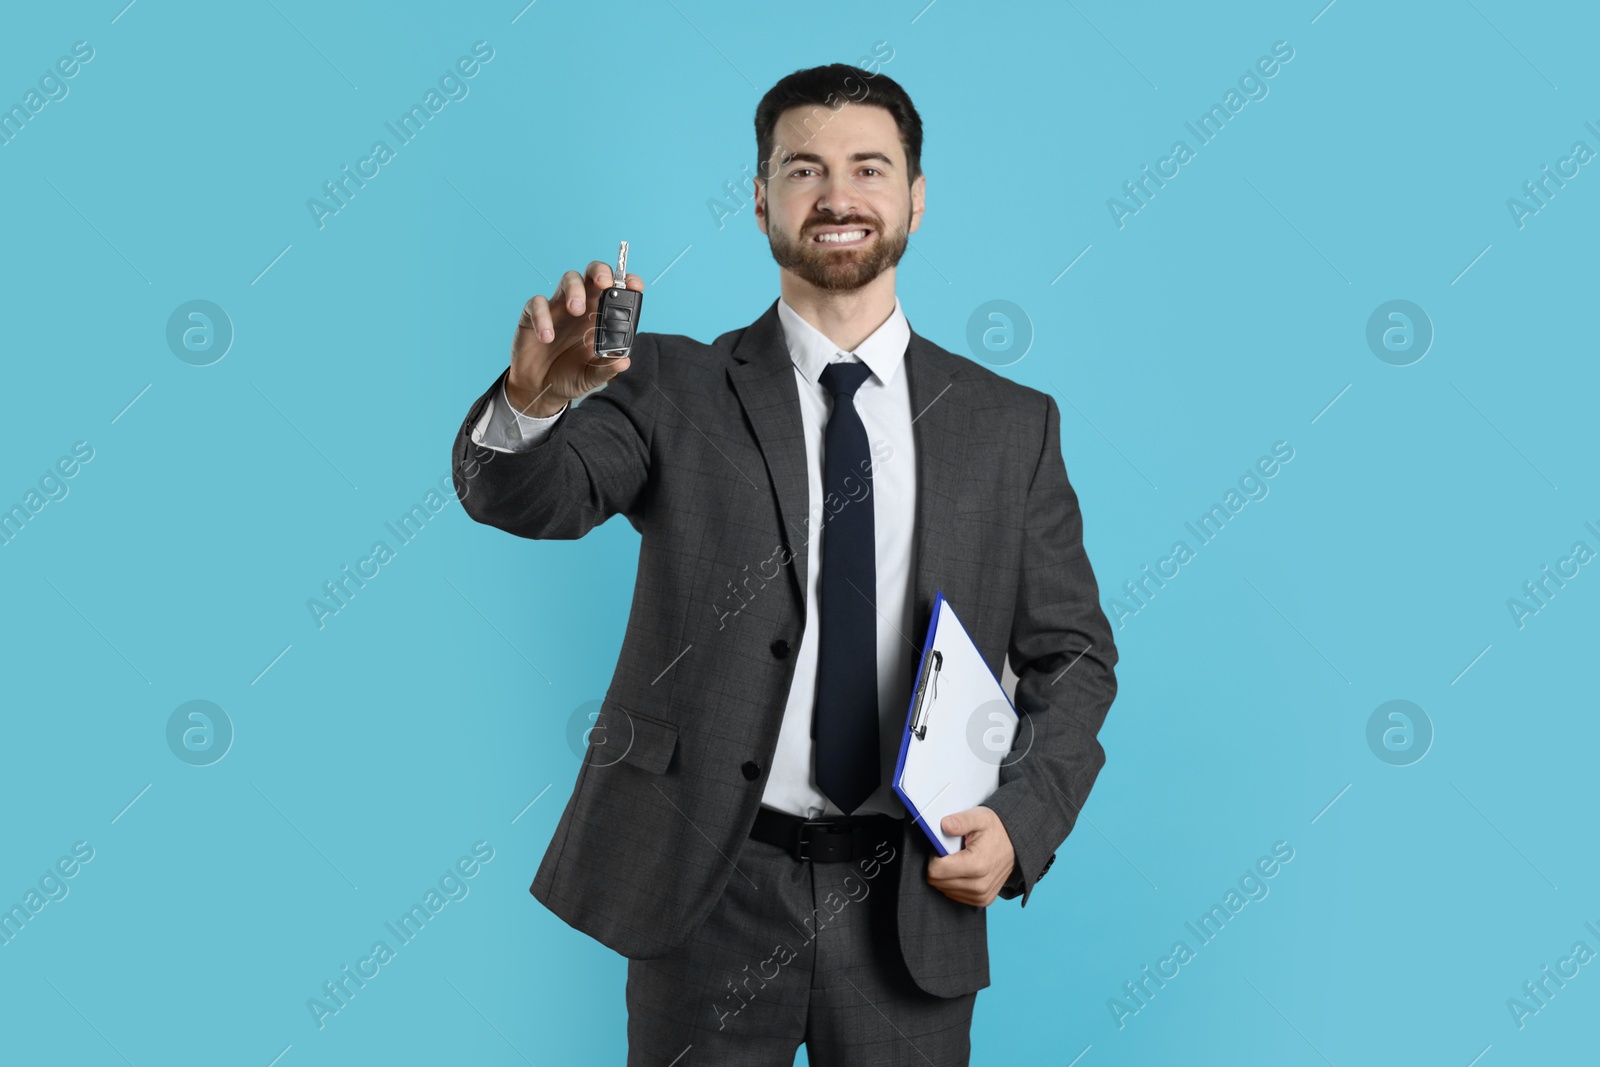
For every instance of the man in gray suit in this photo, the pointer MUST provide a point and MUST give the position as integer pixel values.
(802, 487)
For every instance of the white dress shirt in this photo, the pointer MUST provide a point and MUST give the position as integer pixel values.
(884, 404)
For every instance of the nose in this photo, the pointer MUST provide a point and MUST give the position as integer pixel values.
(837, 197)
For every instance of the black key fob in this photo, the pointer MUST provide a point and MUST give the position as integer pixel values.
(617, 317)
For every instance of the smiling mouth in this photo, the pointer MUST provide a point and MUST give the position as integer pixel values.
(843, 238)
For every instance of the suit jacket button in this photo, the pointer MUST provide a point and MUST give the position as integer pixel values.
(751, 770)
(780, 648)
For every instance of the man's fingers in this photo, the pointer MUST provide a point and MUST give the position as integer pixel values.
(966, 890)
(536, 317)
(978, 897)
(969, 821)
(569, 294)
(957, 885)
(577, 294)
(600, 276)
(963, 864)
(964, 876)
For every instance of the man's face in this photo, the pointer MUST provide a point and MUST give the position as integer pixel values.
(840, 173)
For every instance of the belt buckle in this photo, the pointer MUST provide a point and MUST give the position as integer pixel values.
(828, 829)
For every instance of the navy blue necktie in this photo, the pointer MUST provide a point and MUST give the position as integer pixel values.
(845, 722)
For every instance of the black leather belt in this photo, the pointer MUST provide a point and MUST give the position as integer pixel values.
(836, 839)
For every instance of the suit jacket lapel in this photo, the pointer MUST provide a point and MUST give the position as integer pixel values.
(763, 377)
(940, 427)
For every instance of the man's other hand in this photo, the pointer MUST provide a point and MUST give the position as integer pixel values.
(975, 874)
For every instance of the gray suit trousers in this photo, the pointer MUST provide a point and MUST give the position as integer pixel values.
(795, 951)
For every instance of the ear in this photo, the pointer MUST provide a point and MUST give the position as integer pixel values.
(919, 192)
(761, 204)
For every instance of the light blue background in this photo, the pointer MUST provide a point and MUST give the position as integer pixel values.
(1225, 316)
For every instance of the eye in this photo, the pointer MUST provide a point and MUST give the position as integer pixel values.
(874, 170)
(796, 171)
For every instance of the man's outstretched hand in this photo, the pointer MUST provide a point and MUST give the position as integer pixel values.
(976, 873)
(552, 355)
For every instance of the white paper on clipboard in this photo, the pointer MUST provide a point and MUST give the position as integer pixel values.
(959, 729)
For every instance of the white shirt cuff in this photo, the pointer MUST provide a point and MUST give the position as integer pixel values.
(505, 429)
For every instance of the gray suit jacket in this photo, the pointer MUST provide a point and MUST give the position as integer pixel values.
(700, 447)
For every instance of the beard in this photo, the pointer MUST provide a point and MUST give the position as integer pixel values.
(836, 269)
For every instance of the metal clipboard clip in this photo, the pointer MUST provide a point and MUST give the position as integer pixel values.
(930, 669)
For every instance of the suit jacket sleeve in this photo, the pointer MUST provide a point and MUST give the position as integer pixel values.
(1063, 654)
(592, 464)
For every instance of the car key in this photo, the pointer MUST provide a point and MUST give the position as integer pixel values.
(617, 318)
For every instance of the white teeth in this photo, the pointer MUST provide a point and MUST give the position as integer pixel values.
(838, 238)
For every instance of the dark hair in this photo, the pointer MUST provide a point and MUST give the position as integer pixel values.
(832, 87)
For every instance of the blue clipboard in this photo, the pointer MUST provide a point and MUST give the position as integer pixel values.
(960, 727)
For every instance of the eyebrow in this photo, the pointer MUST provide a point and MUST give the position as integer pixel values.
(855, 157)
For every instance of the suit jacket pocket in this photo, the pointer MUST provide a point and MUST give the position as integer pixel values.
(648, 742)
